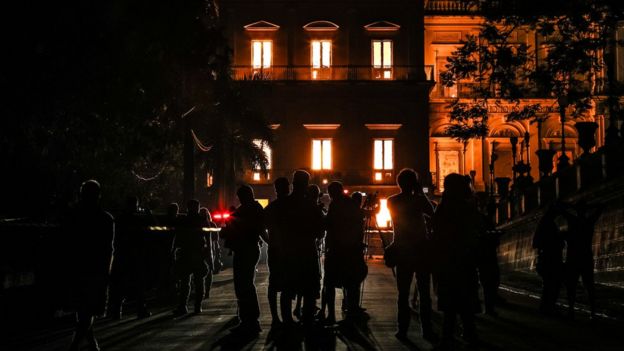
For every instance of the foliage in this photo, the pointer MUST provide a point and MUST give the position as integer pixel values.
(572, 34)
(98, 91)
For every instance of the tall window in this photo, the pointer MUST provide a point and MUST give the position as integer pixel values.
(382, 59)
(321, 154)
(261, 53)
(383, 154)
(266, 149)
(321, 53)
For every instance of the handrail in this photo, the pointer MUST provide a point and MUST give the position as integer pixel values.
(336, 72)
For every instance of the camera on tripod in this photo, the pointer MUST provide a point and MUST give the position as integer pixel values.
(371, 204)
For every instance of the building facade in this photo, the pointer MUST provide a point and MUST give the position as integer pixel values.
(447, 23)
(343, 84)
(349, 88)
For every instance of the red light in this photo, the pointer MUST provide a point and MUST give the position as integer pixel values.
(218, 216)
(346, 191)
(226, 215)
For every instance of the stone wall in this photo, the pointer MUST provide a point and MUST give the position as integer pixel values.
(516, 252)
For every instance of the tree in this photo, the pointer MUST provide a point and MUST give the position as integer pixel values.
(102, 90)
(574, 35)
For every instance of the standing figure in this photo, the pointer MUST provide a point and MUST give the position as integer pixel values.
(172, 222)
(243, 236)
(129, 273)
(456, 225)
(580, 257)
(304, 225)
(275, 223)
(90, 233)
(209, 250)
(190, 257)
(410, 210)
(548, 241)
(487, 260)
(344, 259)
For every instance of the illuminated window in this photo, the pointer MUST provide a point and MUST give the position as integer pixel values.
(321, 53)
(321, 154)
(383, 154)
(264, 147)
(382, 59)
(261, 53)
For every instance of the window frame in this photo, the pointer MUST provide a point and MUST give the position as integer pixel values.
(322, 154)
(383, 154)
(262, 55)
(321, 41)
(379, 71)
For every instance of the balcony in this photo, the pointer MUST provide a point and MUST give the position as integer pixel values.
(449, 7)
(333, 73)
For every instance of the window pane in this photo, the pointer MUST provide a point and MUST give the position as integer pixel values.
(378, 154)
(316, 154)
(387, 54)
(316, 54)
(376, 54)
(326, 45)
(267, 54)
(267, 152)
(256, 52)
(388, 154)
(327, 154)
(269, 155)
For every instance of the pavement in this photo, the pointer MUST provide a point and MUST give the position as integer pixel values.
(518, 326)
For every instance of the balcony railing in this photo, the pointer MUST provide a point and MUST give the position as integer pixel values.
(449, 7)
(353, 73)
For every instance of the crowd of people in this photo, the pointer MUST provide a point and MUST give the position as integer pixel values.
(555, 268)
(449, 248)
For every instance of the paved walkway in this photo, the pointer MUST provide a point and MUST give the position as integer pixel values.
(518, 327)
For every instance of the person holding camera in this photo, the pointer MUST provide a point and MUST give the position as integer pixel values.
(344, 260)
(243, 236)
(410, 211)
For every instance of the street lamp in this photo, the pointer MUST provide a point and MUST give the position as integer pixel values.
(564, 161)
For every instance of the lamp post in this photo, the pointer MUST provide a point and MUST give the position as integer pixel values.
(514, 152)
(564, 161)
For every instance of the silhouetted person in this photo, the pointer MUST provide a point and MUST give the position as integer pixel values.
(190, 255)
(90, 232)
(314, 194)
(579, 255)
(172, 222)
(548, 241)
(209, 257)
(304, 227)
(409, 211)
(276, 225)
(243, 235)
(487, 262)
(129, 273)
(456, 225)
(344, 261)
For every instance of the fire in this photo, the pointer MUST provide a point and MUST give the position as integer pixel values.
(383, 217)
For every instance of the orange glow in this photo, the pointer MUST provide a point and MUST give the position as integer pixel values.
(378, 176)
(321, 154)
(383, 154)
(266, 149)
(321, 54)
(382, 53)
(261, 53)
(383, 217)
(256, 176)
